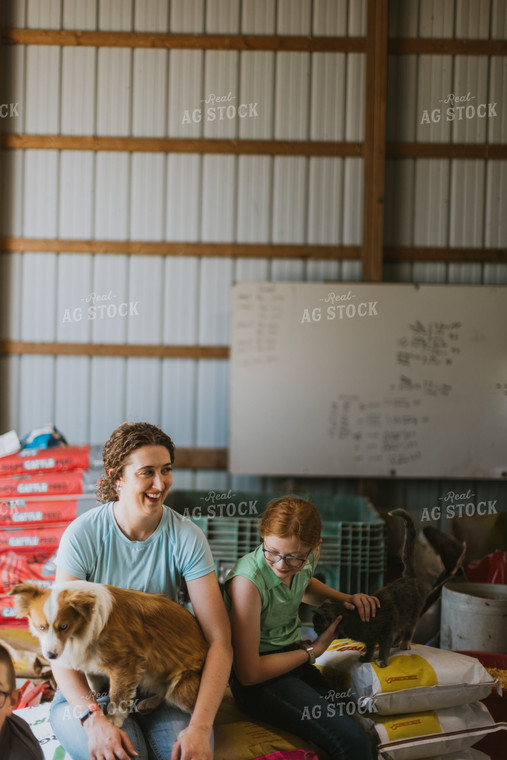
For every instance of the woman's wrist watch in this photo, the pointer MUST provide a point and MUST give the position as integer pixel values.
(306, 645)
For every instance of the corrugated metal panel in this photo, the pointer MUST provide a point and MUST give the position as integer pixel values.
(74, 287)
(212, 403)
(115, 15)
(214, 301)
(142, 310)
(178, 400)
(292, 96)
(219, 109)
(11, 192)
(294, 17)
(42, 97)
(353, 202)
(466, 217)
(10, 400)
(72, 398)
(403, 18)
(402, 111)
(77, 176)
(470, 82)
(113, 91)
(38, 297)
(112, 195)
(431, 206)
(218, 198)
(143, 387)
(147, 196)
(258, 16)
(78, 90)
(222, 16)
(355, 103)
(251, 269)
(13, 14)
(330, 18)
(434, 272)
(497, 124)
(41, 193)
(434, 83)
(149, 100)
(107, 397)
(43, 14)
(187, 17)
(436, 18)
(357, 18)
(79, 14)
(472, 19)
(184, 188)
(11, 280)
(325, 201)
(181, 300)
(110, 285)
(12, 87)
(328, 96)
(185, 93)
(37, 392)
(288, 270)
(317, 271)
(498, 20)
(289, 200)
(495, 234)
(399, 202)
(151, 16)
(254, 199)
(257, 86)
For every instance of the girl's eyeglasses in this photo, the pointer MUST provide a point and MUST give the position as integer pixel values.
(289, 559)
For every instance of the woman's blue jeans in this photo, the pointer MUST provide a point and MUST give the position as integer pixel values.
(152, 735)
(296, 702)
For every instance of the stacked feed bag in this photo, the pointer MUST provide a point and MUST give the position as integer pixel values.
(41, 492)
(425, 704)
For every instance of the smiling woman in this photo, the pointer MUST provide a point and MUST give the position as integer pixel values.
(134, 541)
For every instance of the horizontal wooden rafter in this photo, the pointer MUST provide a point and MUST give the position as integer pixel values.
(446, 47)
(180, 145)
(156, 248)
(445, 255)
(446, 150)
(192, 458)
(128, 351)
(246, 42)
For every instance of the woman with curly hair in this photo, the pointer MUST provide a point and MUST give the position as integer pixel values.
(134, 541)
(274, 679)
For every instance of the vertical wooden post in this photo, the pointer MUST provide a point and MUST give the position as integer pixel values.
(374, 140)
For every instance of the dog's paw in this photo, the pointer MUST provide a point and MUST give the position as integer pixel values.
(116, 718)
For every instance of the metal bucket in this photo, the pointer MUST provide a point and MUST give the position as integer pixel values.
(474, 616)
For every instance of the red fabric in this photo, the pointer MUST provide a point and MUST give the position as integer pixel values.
(490, 569)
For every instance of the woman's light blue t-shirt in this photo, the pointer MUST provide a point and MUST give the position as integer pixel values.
(93, 548)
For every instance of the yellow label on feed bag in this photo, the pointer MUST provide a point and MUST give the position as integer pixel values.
(410, 725)
(406, 672)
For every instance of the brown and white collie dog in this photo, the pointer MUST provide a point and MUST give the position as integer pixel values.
(134, 638)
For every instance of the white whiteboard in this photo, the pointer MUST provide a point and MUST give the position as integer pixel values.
(369, 380)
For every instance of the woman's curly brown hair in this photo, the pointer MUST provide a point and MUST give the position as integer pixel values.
(128, 437)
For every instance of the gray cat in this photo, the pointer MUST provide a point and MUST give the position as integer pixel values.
(401, 603)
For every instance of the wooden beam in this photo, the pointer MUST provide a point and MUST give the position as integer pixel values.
(156, 248)
(181, 145)
(374, 147)
(446, 150)
(414, 46)
(454, 255)
(282, 43)
(126, 351)
(192, 458)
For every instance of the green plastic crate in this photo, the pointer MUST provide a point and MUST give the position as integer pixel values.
(353, 549)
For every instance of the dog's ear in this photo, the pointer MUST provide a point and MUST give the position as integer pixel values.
(24, 595)
(83, 602)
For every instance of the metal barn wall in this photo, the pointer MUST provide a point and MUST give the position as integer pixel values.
(119, 195)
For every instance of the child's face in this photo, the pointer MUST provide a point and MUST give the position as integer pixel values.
(285, 547)
(10, 699)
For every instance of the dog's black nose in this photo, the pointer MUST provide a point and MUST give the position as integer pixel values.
(52, 655)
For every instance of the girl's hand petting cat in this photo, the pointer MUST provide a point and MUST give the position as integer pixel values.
(322, 642)
(365, 605)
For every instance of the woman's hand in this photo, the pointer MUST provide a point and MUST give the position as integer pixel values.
(193, 744)
(105, 741)
(322, 642)
(365, 605)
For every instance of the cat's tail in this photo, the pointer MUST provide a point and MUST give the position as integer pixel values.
(408, 545)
